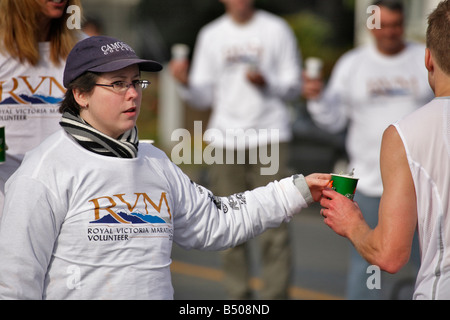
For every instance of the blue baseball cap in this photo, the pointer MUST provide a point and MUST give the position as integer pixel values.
(103, 54)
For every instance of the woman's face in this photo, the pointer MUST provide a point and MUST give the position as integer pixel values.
(53, 9)
(109, 111)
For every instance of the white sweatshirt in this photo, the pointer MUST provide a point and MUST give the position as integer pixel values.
(78, 225)
(224, 53)
(369, 91)
(29, 97)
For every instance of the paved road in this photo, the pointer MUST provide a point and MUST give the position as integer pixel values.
(320, 266)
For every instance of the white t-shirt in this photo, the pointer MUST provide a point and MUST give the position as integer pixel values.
(426, 137)
(78, 225)
(29, 97)
(367, 92)
(224, 53)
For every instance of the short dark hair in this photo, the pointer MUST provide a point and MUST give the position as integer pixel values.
(393, 5)
(85, 83)
(438, 35)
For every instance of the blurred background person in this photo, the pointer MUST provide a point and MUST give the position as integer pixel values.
(34, 43)
(370, 88)
(246, 66)
(415, 166)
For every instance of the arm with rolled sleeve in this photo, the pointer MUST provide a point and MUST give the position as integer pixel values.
(199, 92)
(282, 77)
(330, 111)
(284, 81)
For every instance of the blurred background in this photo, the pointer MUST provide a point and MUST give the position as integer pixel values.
(324, 29)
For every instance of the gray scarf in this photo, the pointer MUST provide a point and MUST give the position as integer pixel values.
(126, 146)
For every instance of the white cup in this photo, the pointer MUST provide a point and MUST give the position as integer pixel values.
(313, 67)
(180, 51)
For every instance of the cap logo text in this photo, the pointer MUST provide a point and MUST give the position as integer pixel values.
(116, 47)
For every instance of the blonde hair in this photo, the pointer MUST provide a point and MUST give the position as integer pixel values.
(19, 31)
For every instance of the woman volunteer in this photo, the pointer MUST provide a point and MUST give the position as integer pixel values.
(93, 214)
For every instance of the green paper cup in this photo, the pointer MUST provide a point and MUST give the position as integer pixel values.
(344, 185)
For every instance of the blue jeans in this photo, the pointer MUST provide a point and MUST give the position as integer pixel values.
(357, 273)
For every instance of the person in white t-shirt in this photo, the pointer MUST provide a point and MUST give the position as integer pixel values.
(92, 213)
(34, 42)
(246, 67)
(415, 167)
(371, 87)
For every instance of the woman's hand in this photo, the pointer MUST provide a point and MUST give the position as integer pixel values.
(317, 183)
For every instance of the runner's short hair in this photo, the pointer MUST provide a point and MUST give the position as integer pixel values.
(438, 35)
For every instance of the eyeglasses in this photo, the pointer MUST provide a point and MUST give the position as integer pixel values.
(122, 86)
